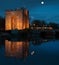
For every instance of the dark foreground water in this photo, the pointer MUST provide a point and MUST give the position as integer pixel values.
(37, 52)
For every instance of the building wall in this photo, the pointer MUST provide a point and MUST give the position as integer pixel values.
(26, 19)
(18, 19)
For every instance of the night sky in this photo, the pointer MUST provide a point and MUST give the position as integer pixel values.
(49, 11)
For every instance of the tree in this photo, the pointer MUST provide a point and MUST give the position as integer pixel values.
(2, 23)
(54, 25)
(38, 23)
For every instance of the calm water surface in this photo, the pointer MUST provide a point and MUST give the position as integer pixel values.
(15, 52)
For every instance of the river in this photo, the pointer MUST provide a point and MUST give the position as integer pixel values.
(37, 52)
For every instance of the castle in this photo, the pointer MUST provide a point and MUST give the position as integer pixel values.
(17, 19)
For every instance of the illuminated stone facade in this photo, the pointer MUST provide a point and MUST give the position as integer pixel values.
(17, 19)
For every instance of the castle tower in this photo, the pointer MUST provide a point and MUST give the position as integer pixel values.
(17, 19)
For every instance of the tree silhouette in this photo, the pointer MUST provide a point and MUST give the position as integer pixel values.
(54, 25)
(2, 23)
(38, 23)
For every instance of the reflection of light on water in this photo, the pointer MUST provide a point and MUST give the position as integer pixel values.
(32, 53)
(16, 49)
(44, 40)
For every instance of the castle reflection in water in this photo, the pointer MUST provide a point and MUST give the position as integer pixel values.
(16, 49)
(20, 49)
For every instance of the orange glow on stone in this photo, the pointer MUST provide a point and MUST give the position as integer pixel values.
(17, 20)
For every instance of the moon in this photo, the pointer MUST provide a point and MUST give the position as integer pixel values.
(42, 2)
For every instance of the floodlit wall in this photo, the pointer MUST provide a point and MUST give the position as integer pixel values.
(18, 19)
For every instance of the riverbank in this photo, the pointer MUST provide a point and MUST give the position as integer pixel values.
(31, 34)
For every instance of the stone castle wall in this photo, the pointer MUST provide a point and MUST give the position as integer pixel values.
(18, 19)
